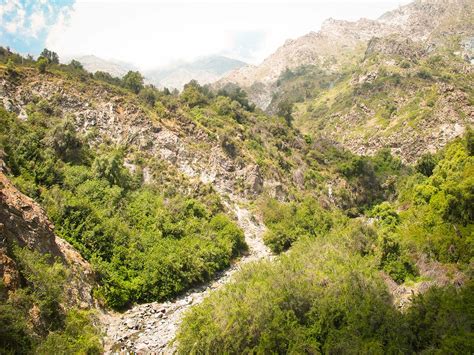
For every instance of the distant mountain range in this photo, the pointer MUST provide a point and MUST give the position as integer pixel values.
(115, 68)
(205, 70)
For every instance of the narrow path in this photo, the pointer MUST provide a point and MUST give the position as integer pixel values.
(149, 328)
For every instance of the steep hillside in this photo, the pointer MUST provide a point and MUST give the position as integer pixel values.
(45, 282)
(340, 43)
(400, 96)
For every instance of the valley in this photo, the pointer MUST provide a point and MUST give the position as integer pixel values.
(319, 202)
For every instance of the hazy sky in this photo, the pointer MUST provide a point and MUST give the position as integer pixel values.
(152, 33)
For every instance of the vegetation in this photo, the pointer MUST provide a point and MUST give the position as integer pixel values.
(33, 319)
(146, 243)
(327, 294)
(343, 225)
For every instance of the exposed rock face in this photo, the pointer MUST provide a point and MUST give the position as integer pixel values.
(124, 123)
(24, 223)
(395, 45)
(421, 21)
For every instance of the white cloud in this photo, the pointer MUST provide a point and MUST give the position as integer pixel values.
(37, 23)
(149, 33)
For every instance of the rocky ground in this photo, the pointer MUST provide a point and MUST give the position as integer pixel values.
(151, 327)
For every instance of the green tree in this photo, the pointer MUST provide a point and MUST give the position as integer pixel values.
(193, 94)
(51, 57)
(11, 67)
(133, 81)
(149, 95)
(285, 110)
(75, 64)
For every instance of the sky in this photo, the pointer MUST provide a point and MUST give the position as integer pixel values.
(150, 34)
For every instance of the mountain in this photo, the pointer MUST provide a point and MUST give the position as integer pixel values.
(115, 68)
(341, 43)
(397, 82)
(204, 70)
(339, 220)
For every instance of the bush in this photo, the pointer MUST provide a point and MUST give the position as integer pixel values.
(289, 222)
(78, 337)
(133, 81)
(440, 321)
(42, 63)
(317, 299)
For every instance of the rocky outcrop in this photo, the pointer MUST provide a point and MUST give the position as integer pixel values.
(395, 46)
(117, 120)
(24, 223)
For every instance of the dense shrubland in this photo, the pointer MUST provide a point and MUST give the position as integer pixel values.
(346, 223)
(33, 318)
(147, 242)
(327, 293)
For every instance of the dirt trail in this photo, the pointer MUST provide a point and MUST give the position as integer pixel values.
(149, 328)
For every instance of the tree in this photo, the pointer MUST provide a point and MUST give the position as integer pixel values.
(51, 57)
(42, 64)
(285, 109)
(133, 81)
(103, 76)
(149, 94)
(75, 64)
(193, 94)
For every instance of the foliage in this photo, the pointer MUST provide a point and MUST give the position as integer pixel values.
(50, 56)
(145, 245)
(193, 94)
(318, 298)
(75, 64)
(133, 81)
(106, 77)
(440, 321)
(235, 93)
(289, 222)
(426, 164)
(441, 207)
(374, 178)
(42, 63)
(79, 336)
(33, 317)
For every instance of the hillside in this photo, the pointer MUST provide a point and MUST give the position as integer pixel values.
(338, 220)
(341, 43)
(402, 82)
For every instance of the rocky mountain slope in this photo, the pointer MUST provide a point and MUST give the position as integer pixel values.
(24, 224)
(399, 97)
(340, 43)
(403, 81)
